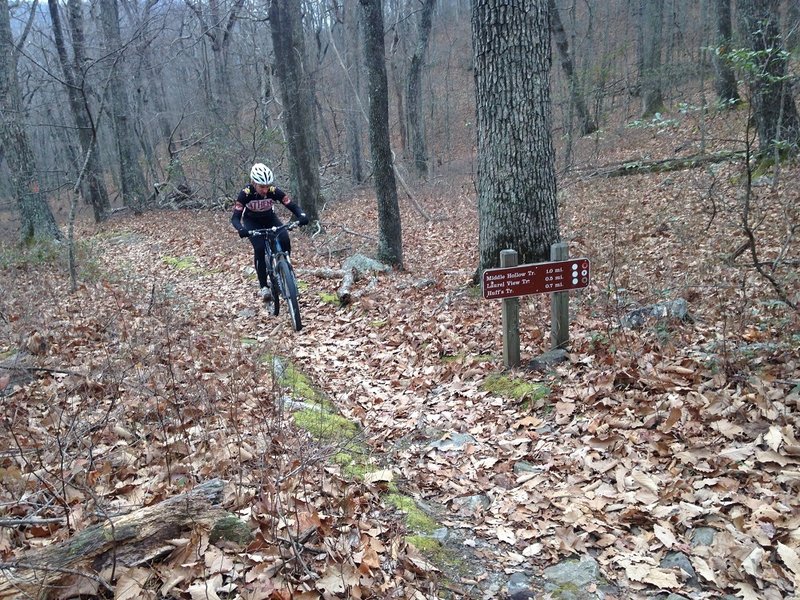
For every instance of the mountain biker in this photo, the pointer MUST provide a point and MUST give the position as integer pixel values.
(253, 210)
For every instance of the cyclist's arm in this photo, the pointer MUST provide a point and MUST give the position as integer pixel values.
(295, 209)
(238, 211)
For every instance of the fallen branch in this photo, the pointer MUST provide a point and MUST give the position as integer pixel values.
(637, 167)
(128, 540)
(353, 269)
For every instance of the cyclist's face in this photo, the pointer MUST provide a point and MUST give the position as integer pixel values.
(261, 189)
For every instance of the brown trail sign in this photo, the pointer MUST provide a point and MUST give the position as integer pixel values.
(537, 278)
(556, 277)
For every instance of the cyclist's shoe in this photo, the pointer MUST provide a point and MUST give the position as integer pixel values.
(266, 293)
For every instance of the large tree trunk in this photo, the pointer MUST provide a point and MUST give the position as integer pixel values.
(78, 103)
(652, 27)
(724, 77)
(587, 124)
(771, 95)
(516, 180)
(390, 241)
(130, 540)
(416, 126)
(132, 178)
(297, 94)
(37, 222)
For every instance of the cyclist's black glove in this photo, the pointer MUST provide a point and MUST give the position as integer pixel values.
(302, 219)
(243, 233)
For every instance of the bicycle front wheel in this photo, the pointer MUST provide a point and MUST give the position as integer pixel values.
(289, 288)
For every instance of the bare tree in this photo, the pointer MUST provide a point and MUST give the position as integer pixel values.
(416, 127)
(585, 121)
(725, 78)
(74, 73)
(652, 15)
(131, 175)
(517, 206)
(390, 242)
(297, 93)
(35, 214)
(777, 120)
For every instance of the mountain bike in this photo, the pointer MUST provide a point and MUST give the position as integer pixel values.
(280, 273)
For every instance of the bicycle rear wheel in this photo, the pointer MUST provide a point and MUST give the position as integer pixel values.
(289, 288)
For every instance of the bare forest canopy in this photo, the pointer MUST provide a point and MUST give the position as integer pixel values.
(201, 103)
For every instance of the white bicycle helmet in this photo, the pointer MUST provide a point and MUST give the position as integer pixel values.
(261, 174)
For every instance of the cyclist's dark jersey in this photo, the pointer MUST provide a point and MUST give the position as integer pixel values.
(257, 209)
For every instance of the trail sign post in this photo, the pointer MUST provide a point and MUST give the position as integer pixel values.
(556, 277)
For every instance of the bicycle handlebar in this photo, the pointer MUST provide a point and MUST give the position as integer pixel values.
(267, 230)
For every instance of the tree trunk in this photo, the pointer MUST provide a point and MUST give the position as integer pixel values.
(416, 127)
(37, 222)
(516, 180)
(587, 124)
(78, 103)
(297, 93)
(652, 38)
(390, 242)
(132, 178)
(352, 44)
(770, 90)
(724, 77)
(130, 540)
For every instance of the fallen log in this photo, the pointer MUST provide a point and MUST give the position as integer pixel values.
(637, 167)
(126, 541)
(353, 269)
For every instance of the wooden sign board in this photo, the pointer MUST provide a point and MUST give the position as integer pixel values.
(538, 278)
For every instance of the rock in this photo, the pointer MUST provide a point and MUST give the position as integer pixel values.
(681, 561)
(548, 360)
(674, 309)
(452, 441)
(703, 536)
(571, 580)
(519, 587)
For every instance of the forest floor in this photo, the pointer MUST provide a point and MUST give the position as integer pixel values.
(159, 371)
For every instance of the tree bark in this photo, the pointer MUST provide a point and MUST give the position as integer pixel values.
(516, 180)
(416, 126)
(587, 124)
(132, 178)
(37, 221)
(297, 94)
(390, 242)
(652, 27)
(129, 540)
(770, 90)
(78, 102)
(724, 77)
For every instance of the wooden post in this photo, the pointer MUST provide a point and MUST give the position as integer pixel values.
(559, 304)
(511, 358)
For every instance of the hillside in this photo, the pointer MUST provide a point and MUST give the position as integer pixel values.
(163, 371)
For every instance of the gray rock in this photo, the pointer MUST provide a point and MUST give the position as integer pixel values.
(703, 536)
(472, 504)
(681, 561)
(548, 360)
(519, 587)
(452, 441)
(674, 309)
(570, 579)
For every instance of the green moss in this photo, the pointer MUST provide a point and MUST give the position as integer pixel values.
(301, 387)
(249, 342)
(518, 389)
(566, 591)
(181, 264)
(8, 353)
(230, 528)
(452, 358)
(329, 298)
(378, 323)
(326, 426)
(446, 559)
(416, 519)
